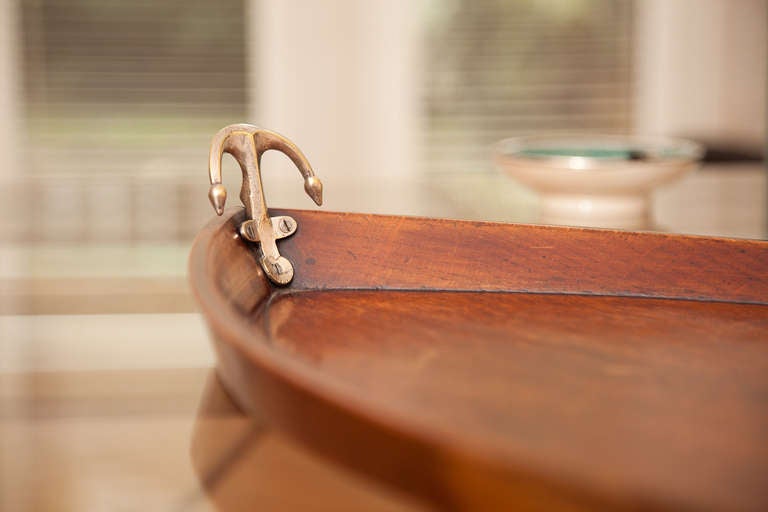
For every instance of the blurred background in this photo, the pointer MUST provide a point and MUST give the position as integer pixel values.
(107, 108)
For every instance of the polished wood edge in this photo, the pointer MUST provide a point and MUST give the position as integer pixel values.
(360, 251)
(407, 455)
(224, 267)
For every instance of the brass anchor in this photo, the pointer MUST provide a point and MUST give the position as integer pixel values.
(247, 143)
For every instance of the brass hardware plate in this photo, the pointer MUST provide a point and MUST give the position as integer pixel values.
(283, 226)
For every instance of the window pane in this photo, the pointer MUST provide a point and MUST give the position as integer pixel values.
(121, 99)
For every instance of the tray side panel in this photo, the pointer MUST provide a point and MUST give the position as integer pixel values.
(356, 251)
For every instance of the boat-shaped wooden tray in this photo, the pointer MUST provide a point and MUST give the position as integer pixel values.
(483, 366)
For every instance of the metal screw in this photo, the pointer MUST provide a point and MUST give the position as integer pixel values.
(285, 225)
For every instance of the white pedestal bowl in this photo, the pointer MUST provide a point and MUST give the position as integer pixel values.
(598, 181)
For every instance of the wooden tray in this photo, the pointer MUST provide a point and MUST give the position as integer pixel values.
(483, 366)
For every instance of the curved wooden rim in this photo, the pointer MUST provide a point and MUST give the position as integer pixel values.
(419, 459)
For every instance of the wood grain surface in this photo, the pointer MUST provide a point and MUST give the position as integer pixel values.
(628, 395)
(594, 390)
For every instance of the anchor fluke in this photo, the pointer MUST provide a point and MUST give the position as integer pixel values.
(314, 189)
(218, 196)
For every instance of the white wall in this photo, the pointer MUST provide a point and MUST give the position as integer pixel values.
(341, 79)
(701, 69)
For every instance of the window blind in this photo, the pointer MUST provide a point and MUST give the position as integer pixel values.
(497, 69)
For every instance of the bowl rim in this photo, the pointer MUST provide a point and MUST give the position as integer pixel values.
(656, 150)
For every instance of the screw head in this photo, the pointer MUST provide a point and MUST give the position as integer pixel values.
(286, 225)
(279, 270)
(248, 230)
